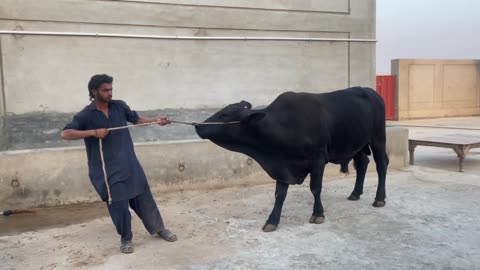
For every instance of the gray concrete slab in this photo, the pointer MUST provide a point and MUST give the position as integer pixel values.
(56, 176)
(431, 221)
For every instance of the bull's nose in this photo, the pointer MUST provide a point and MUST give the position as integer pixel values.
(198, 129)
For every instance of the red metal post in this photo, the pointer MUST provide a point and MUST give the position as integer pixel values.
(386, 89)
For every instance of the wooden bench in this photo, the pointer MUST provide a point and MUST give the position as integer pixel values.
(460, 143)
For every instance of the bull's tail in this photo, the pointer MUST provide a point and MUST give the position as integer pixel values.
(344, 167)
(344, 164)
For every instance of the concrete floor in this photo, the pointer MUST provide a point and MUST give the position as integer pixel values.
(431, 221)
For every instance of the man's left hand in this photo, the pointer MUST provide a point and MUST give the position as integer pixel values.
(162, 121)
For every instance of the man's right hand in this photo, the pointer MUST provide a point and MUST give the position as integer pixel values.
(101, 133)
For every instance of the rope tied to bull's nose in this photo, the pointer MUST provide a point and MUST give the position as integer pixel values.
(100, 145)
(204, 123)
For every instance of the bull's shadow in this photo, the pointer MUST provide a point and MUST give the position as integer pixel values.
(299, 133)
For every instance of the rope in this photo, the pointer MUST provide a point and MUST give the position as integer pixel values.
(105, 172)
(140, 125)
(103, 160)
(177, 122)
(204, 123)
(130, 126)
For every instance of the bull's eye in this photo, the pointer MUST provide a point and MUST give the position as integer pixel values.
(246, 107)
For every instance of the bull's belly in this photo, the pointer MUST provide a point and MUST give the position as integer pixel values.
(340, 160)
(337, 155)
(292, 172)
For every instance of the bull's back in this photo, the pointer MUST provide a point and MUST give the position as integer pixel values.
(337, 107)
(343, 120)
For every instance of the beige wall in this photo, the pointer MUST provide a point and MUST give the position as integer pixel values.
(436, 88)
(50, 73)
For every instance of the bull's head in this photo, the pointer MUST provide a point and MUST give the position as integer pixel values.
(222, 131)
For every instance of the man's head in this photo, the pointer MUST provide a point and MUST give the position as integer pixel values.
(100, 87)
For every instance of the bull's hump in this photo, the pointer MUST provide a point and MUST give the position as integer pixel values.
(293, 101)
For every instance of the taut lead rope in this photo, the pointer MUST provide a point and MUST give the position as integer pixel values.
(146, 124)
(204, 123)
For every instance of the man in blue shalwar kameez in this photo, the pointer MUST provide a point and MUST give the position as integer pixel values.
(126, 179)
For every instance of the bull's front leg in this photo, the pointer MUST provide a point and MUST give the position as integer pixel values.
(274, 218)
(316, 179)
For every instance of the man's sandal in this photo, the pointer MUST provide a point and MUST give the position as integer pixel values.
(126, 247)
(167, 235)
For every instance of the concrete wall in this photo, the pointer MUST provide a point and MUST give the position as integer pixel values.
(436, 88)
(49, 74)
(44, 80)
(57, 176)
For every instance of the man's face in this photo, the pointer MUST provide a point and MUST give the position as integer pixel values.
(103, 93)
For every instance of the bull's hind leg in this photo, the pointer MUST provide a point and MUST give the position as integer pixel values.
(361, 163)
(316, 179)
(381, 160)
(274, 218)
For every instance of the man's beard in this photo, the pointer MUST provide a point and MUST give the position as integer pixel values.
(105, 100)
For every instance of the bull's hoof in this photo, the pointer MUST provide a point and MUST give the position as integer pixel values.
(353, 198)
(269, 227)
(316, 220)
(378, 204)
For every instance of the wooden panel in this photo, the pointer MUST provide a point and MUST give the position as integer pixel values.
(460, 86)
(421, 86)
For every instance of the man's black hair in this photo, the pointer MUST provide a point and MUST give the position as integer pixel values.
(96, 81)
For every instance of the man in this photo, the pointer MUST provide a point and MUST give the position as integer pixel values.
(126, 179)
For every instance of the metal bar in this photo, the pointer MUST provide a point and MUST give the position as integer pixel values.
(2, 85)
(80, 34)
(392, 123)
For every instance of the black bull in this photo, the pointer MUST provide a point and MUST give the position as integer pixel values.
(299, 133)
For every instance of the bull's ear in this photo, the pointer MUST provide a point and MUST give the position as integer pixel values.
(253, 117)
(246, 104)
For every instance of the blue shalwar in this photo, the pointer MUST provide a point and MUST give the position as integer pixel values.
(126, 178)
